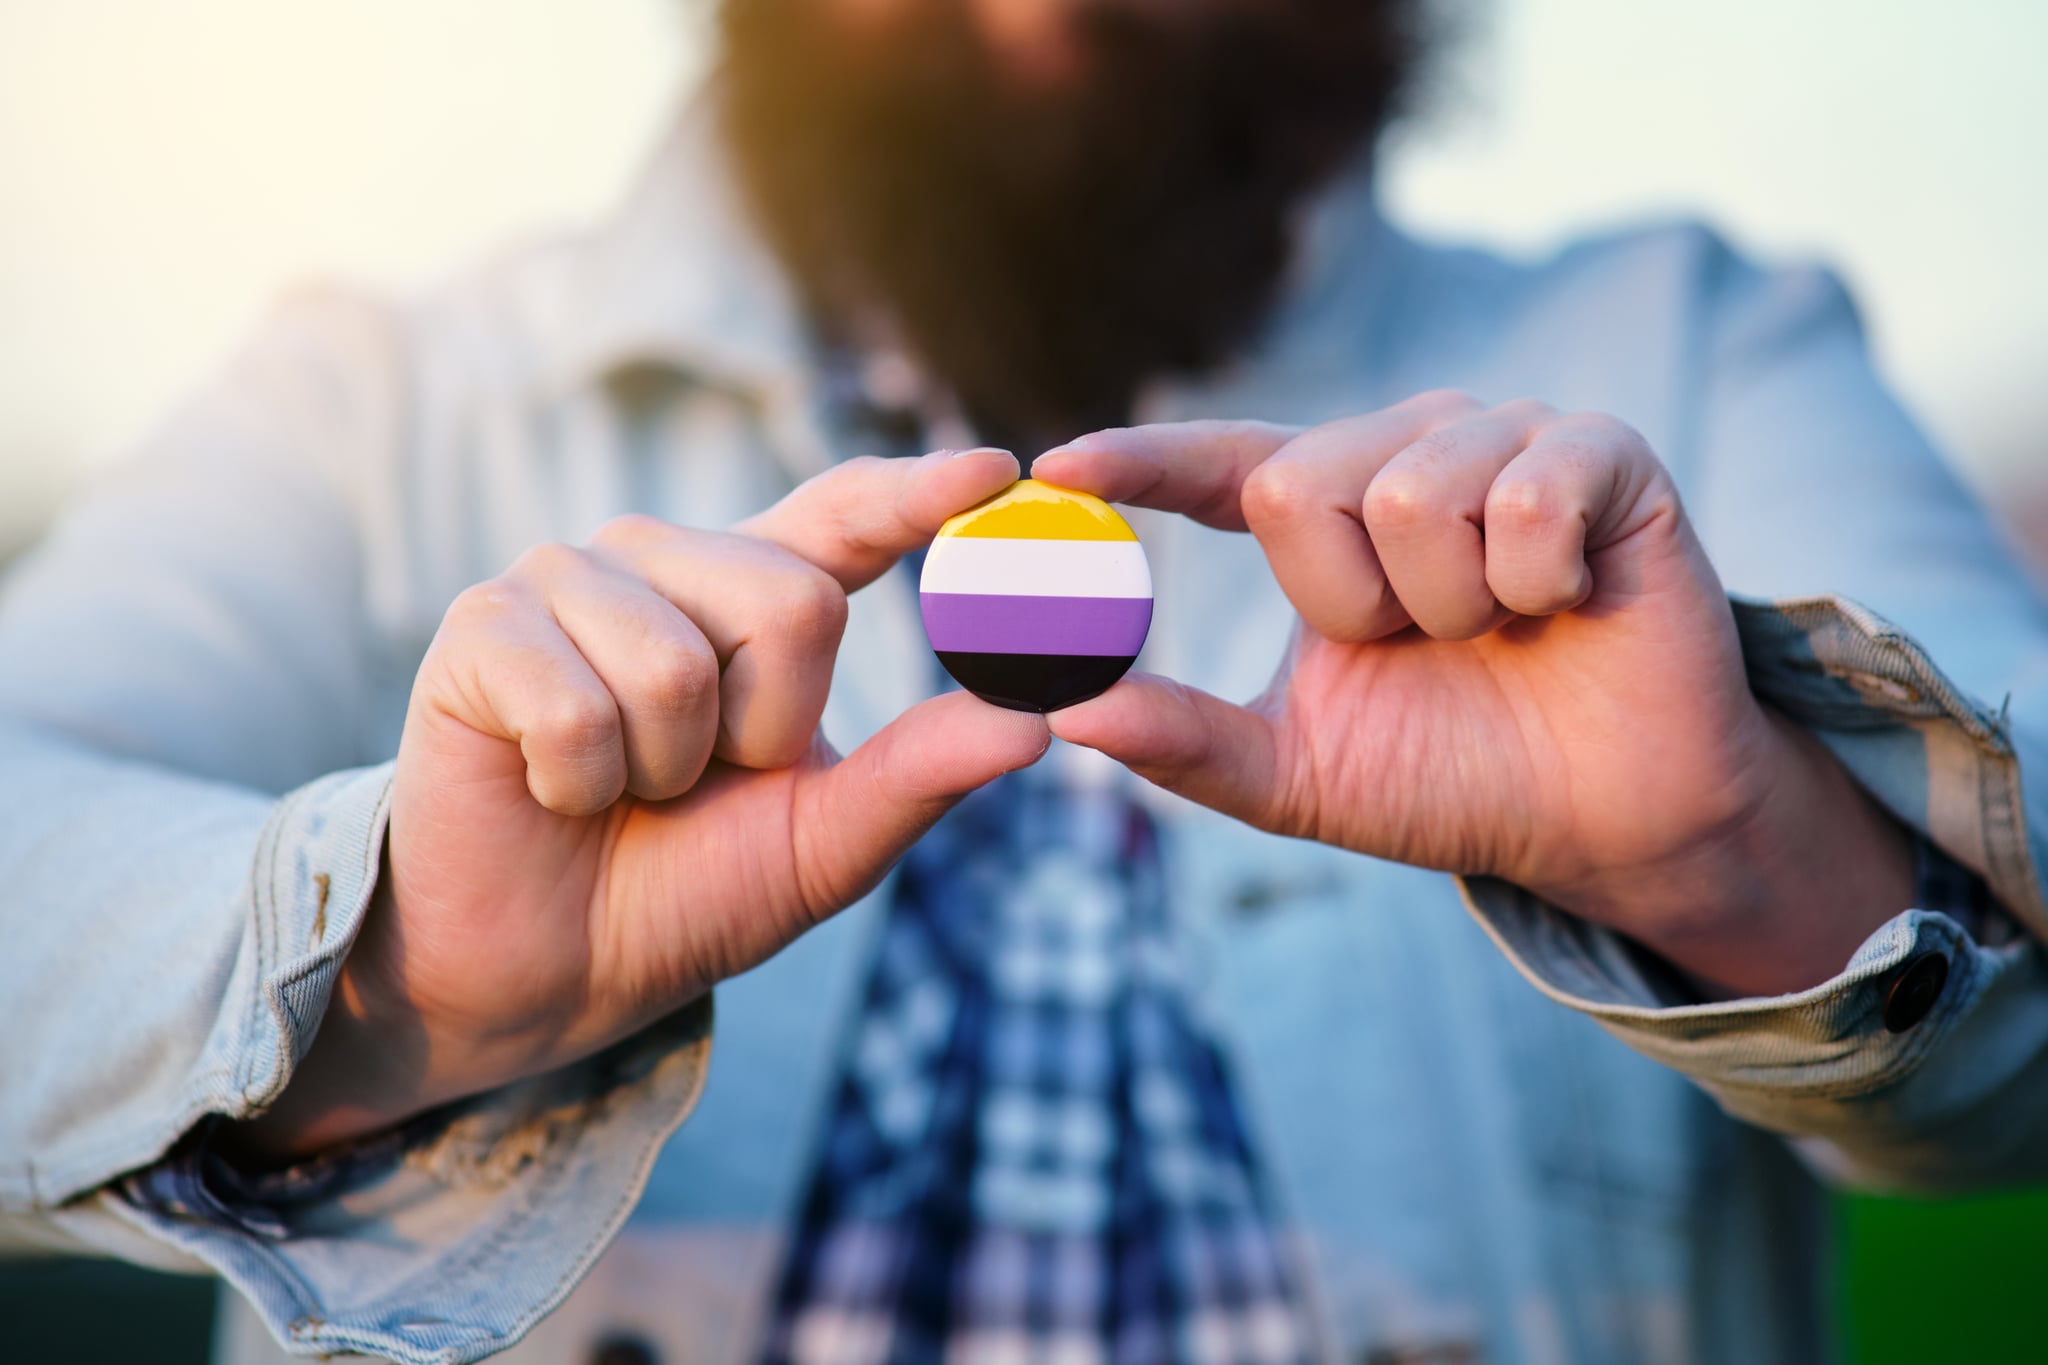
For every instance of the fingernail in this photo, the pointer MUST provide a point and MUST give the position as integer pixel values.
(979, 450)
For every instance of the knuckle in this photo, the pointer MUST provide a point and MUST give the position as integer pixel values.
(681, 675)
(1521, 504)
(1529, 411)
(1603, 431)
(1447, 403)
(1399, 499)
(485, 602)
(812, 606)
(631, 531)
(1275, 493)
(580, 721)
(547, 562)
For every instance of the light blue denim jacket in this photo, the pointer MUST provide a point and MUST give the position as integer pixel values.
(1498, 1132)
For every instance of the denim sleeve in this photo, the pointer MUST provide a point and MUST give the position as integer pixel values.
(1881, 1094)
(445, 1241)
(189, 840)
(1877, 606)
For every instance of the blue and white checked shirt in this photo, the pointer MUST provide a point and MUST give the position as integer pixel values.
(1034, 1152)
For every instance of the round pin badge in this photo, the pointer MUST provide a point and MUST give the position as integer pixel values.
(1038, 598)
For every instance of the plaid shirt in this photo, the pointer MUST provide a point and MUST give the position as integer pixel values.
(1034, 1153)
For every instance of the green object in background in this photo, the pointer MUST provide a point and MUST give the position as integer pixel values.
(1961, 1281)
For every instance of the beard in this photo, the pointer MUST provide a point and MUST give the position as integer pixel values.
(1044, 249)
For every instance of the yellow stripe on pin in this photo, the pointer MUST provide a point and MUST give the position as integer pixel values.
(1030, 510)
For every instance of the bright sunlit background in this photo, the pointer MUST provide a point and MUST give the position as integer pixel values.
(165, 168)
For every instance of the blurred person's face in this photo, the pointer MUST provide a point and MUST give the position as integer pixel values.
(1051, 200)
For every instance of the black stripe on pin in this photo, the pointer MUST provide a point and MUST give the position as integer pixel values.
(1035, 682)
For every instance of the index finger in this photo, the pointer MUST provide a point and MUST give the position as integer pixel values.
(1197, 469)
(857, 519)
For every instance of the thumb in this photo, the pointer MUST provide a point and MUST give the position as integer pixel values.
(858, 816)
(1192, 744)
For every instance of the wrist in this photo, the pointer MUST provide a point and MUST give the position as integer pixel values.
(358, 1076)
(380, 1055)
(1777, 898)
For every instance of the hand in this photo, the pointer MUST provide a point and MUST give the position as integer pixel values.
(612, 793)
(1514, 660)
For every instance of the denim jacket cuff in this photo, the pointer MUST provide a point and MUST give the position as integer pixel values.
(1830, 1041)
(471, 1223)
(1942, 762)
(449, 1238)
(314, 873)
(296, 913)
(1944, 766)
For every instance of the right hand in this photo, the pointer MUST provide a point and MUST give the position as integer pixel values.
(612, 793)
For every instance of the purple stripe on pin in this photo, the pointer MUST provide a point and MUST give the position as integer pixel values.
(975, 623)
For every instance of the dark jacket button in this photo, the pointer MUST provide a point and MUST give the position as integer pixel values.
(623, 1349)
(1914, 991)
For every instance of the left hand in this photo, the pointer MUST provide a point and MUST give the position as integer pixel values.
(1514, 659)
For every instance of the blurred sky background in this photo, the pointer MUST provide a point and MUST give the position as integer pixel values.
(165, 168)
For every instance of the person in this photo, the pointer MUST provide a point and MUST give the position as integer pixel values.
(367, 897)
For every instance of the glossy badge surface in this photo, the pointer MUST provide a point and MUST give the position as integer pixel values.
(1038, 598)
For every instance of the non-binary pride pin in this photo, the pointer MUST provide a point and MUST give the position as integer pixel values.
(1038, 598)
